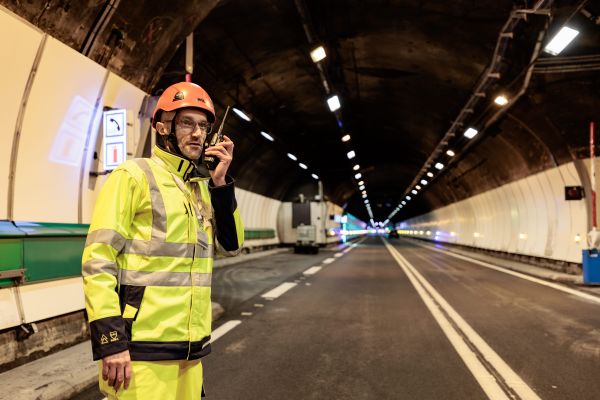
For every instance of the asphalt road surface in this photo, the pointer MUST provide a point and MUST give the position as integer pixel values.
(395, 320)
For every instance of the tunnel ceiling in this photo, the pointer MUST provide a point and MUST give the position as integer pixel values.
(403, 71)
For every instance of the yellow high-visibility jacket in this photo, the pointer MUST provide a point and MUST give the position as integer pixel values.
(148, 258)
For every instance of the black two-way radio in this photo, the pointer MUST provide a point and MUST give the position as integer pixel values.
(210, 162)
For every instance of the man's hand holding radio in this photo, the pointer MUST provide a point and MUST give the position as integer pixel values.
(224, 152)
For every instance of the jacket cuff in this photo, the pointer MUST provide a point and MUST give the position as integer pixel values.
(229, 181)
(108, 337)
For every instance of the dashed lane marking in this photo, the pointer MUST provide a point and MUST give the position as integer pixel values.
(312, 270)
(336, 255)
(223, 329)
(246, 314)
(495, 377)
(279, 290)
(328, 260)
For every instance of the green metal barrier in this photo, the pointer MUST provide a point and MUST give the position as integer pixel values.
(11, 253)
(250, 234)
(38, 251)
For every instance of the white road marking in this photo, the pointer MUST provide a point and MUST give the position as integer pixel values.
(279, 290)
(328, 260)
(486, 380)
(246, 314)
(347, 250)
(312, 270)
(259, 305)
(552, 285)
(336, 255)
(307, 283)
(223, 329)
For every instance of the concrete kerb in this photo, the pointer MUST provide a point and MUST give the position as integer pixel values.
(68, 372)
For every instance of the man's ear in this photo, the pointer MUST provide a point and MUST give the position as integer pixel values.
(162, 128)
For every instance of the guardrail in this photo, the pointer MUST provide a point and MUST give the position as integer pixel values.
(39, 251)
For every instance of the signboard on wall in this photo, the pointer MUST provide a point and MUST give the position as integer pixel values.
(114, 135)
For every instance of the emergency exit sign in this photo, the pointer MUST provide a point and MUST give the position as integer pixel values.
(114, 135)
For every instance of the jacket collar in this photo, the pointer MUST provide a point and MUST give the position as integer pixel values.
(179, 166)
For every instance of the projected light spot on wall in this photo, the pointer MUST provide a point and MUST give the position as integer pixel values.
(68, 145)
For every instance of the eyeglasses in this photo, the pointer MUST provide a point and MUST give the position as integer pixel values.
(188, 125)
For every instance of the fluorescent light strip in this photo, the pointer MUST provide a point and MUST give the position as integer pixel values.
(267, 136)
(241, 114)
(561, 40)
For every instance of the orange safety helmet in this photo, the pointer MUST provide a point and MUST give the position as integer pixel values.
(182, 95)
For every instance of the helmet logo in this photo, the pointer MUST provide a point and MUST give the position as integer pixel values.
(202, 100)
(178, 96)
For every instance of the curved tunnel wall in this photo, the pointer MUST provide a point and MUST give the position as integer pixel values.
(529, 216)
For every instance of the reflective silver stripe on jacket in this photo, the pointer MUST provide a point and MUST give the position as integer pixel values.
(106, 236)
(166, 249)
(158, 278)
(159, 213)
(157, 246)
(97, 266)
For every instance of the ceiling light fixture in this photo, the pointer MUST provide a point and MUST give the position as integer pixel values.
(414, 191)
(303, 166)
(471, 133)
(429, 174)
(318, 54)
(241, 114)
(361, 183)
(293, 157)
(439, 165)
(351, 154)
(356, 167)
(315, 176)
(561, 40)
(450, 153)
(501, 100)
(267, 136)
(345, 138)
(358, 176)
(424, 182)
(333, 102)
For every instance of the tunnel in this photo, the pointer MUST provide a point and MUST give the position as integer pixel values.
(411, 195)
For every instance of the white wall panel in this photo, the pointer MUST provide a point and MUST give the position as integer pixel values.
(55, 124)
(529, 216)
(117, 93)
(49, 299)
(19, 56)
(551, 216)
(578, 220)
(536, 237)
(9, 316)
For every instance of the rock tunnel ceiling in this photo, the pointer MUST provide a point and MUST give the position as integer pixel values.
(403, 70)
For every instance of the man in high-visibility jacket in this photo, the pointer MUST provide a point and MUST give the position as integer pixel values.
(148, 257)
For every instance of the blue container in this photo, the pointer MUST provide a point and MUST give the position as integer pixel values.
(591, 266)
